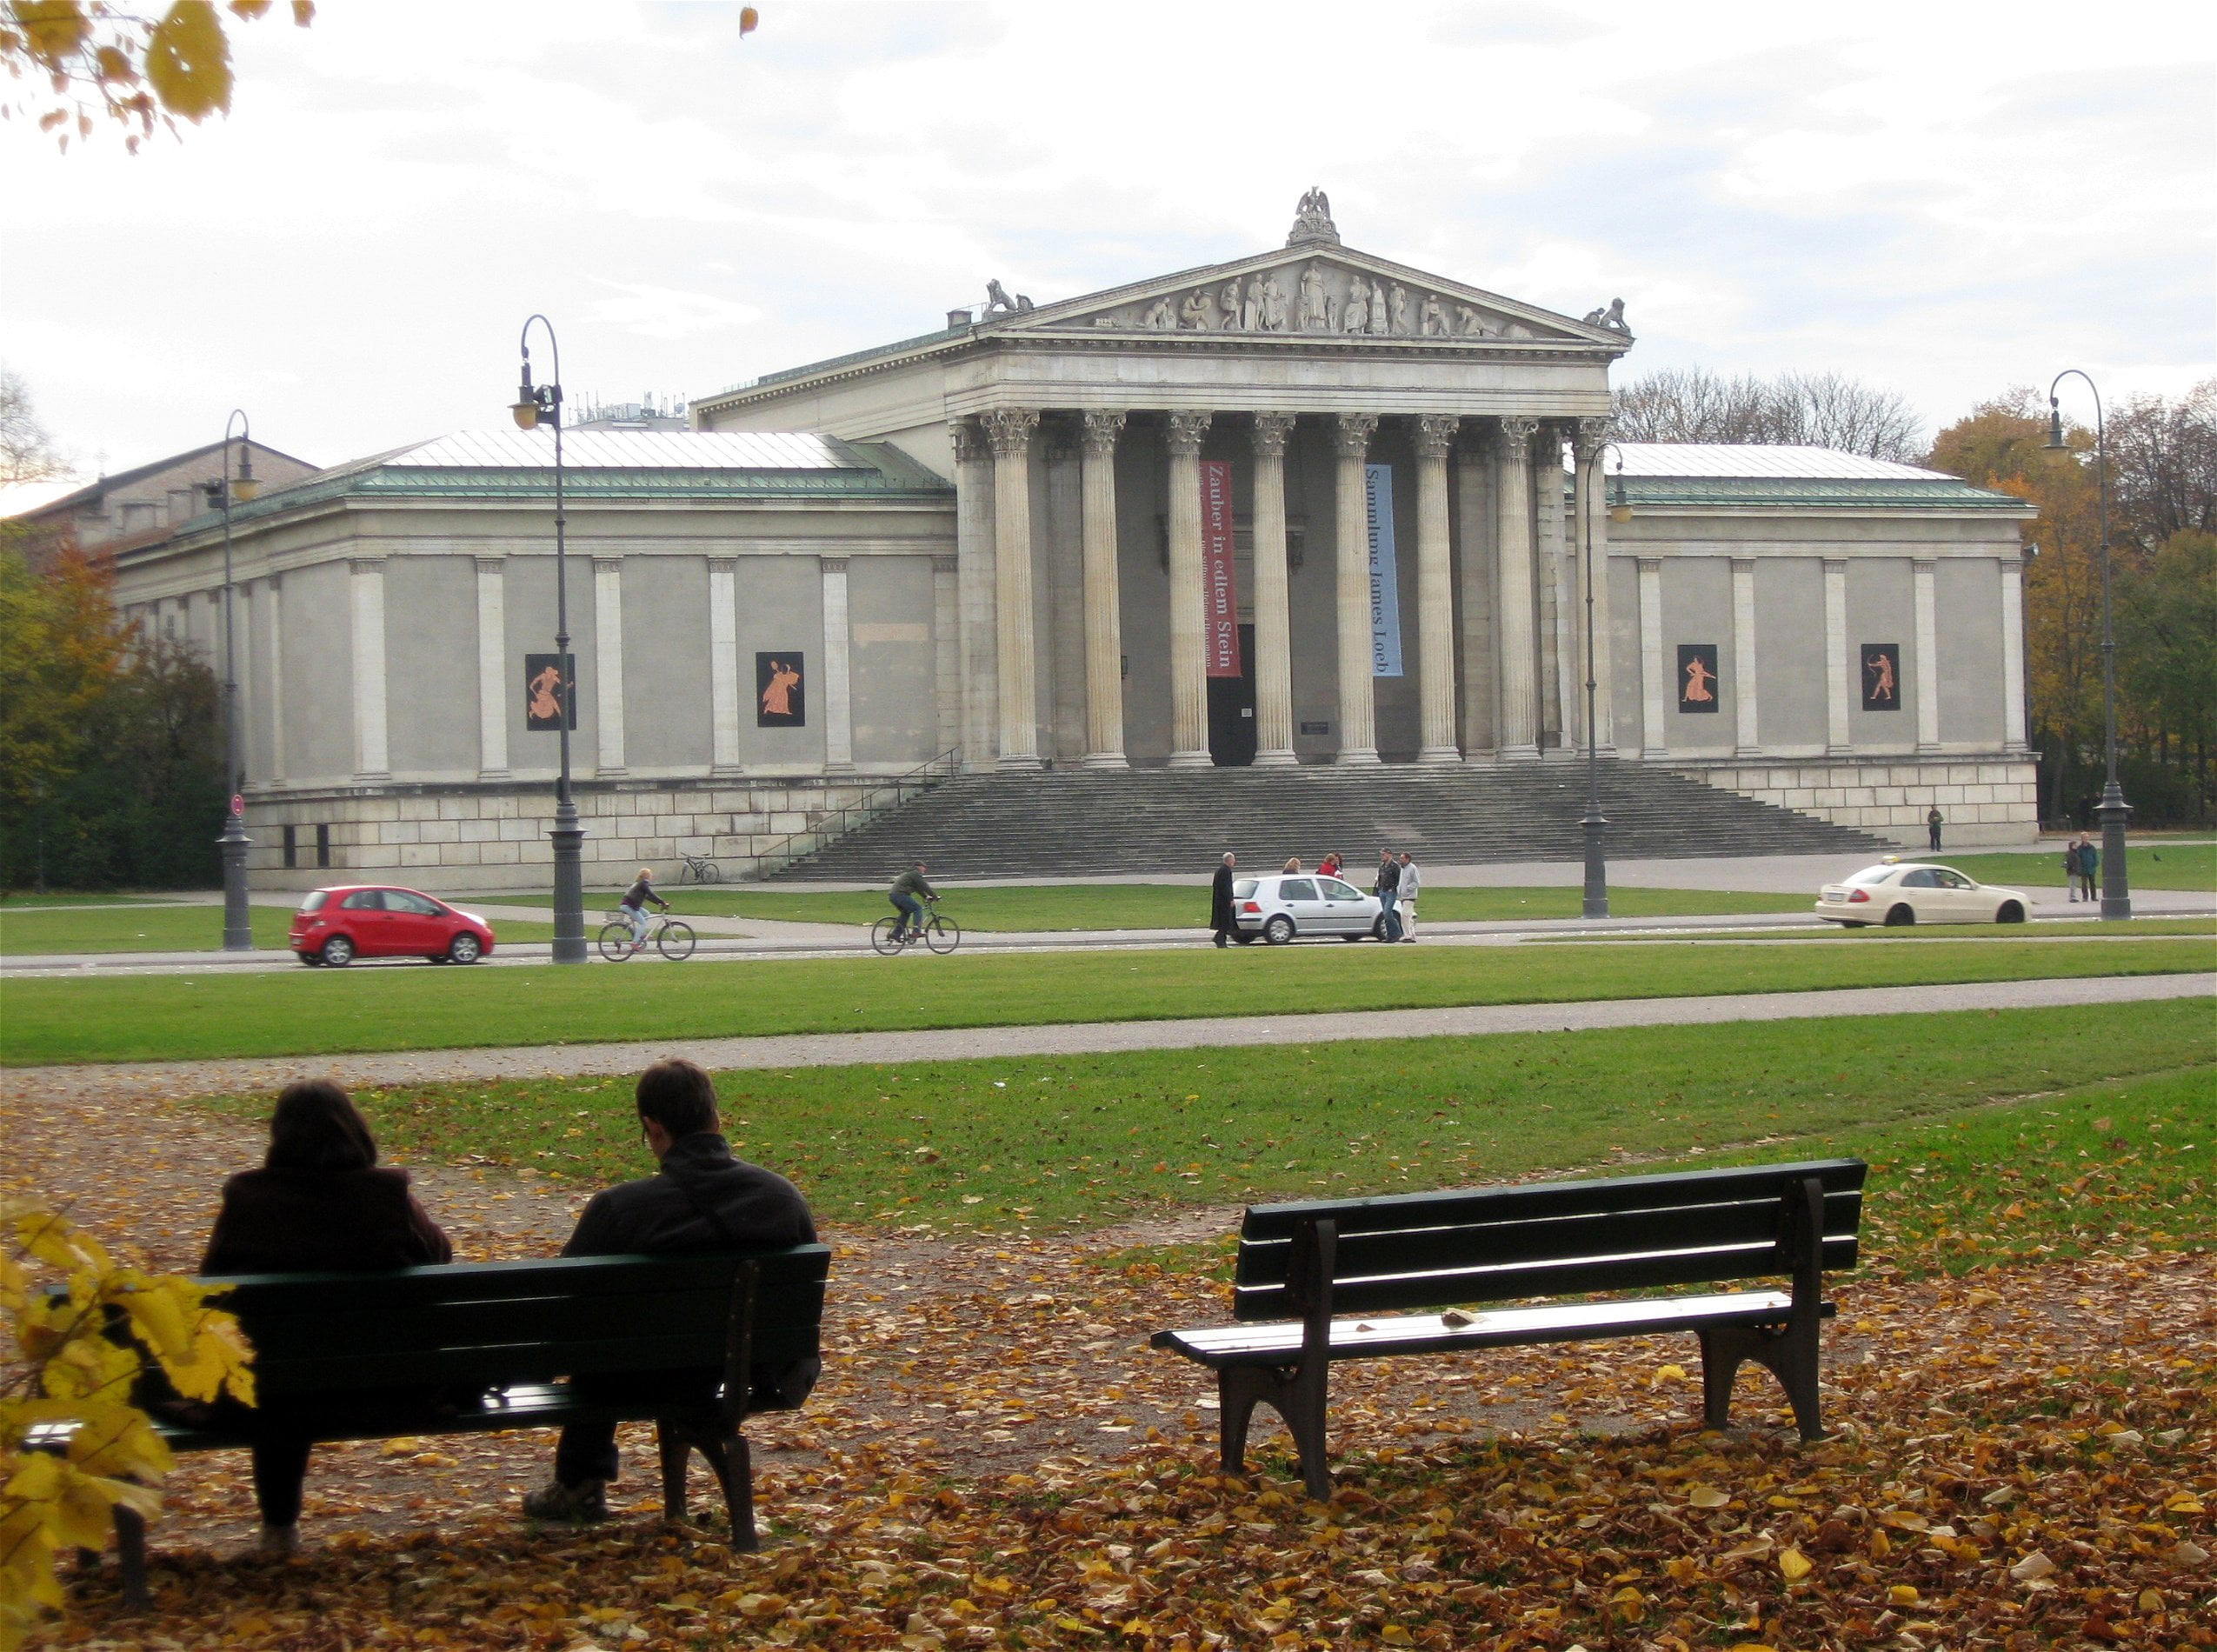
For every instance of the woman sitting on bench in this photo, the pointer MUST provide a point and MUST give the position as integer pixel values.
(319, 1203)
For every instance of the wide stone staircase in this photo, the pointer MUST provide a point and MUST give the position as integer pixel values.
(1075, 823)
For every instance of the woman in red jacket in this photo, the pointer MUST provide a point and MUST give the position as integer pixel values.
(318, 1205)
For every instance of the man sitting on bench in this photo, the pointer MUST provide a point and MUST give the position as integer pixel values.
(703, 1200)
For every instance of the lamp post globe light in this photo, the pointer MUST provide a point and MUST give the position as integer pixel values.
(238, 922)
(535, 406)
(1595, 901)
(2116, 886)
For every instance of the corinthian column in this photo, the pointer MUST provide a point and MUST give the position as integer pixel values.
(1593, 506)
(1272, 622)
(1009, 430)
(1104, 663)
(974, 595)
(1189, 664)
(1520, 730)
(1434, 591)
(1358, 723)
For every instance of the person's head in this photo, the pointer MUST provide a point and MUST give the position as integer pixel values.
(1407, 858)
(316, 1128)
(1229, 859)
(646, 874)
(675, 1098)
(1385, 855)
(920, 866)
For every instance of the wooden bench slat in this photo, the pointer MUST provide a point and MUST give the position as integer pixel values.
(1355, 1338)
(561, 1279)
(1404, 1211)
(1503, 1244)
(350, 1372)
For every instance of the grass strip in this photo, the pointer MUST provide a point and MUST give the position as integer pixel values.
(2151, 864)
(2063, 930)
(1049, 907)
(315, 1012)
(1084, 1141)
(164, 929)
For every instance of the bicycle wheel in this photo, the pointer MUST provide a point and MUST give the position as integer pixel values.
(942, 935)
(690, 875)
(615, 942)
(711, 873)
(676, 940)
(882, 939)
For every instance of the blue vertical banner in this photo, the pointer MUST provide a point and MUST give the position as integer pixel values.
(1385, 579)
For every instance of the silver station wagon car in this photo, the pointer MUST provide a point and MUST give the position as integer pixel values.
(1286, 906)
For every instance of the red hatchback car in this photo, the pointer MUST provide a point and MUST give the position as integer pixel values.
(336, 926)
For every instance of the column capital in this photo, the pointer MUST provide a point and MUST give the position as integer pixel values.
(1187, 431)
(969, 442)
(1649, 564)
(1435, 434)
(1271, 430)
(365, 564)
(946, 564)
(832, 564)
(493, 564)
(613, 563)
(1351, 434)
(1590, 436)
(1102, 428)
(1009, 430)
(1519, 432)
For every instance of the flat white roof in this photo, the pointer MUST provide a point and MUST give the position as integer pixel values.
(1719, 459)
(624, 450)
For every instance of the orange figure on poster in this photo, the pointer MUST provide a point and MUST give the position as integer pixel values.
(1698, 678)
(777, 696)
(1880, 666)
(546, 695)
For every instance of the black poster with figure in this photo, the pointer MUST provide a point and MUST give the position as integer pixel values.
(781, 690)
(1697, 676)
(1882, 675)
(549, 691)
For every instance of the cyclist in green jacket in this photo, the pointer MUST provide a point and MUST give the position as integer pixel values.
(908, 893)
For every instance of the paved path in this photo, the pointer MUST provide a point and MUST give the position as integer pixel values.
(961, 1043)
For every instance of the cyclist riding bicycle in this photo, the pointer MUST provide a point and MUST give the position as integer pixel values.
(908, 893)
(634, 905)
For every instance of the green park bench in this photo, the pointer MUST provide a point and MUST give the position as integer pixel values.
(1303, 1267)
(478, 1348)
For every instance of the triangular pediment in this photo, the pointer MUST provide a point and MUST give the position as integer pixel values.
(1310, 292)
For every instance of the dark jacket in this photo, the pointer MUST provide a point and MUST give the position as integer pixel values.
(703, 1200)
(1221, 915)
(1389, 877)
(277, 1222)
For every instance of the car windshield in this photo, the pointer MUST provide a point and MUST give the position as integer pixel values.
(1874, 875)
(315, 902)
(1243, 888)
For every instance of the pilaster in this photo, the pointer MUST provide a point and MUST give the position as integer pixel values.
(366, 617)
(1927, 620)
(608, 663)
(947, 651)
(838, 668)
(2012, 654)
(494, 688)
(723, 664)
(1745, 674)
(1654, 675)
(1839, 671)
(277, 678)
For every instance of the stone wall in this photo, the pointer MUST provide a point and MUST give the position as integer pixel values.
(1991, 801)
(485, 837)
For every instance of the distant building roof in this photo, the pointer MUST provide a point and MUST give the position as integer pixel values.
(137, 473)
(627, 450)
(1713, 474)
(1718, 459)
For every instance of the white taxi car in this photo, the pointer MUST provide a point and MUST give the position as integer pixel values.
(1895, 892)
(1285, 905)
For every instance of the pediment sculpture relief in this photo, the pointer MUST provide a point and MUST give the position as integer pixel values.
(1321, 297)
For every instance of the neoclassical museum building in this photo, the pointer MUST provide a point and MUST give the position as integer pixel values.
(1307, 507)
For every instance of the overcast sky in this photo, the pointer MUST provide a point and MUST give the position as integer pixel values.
(1947, 198)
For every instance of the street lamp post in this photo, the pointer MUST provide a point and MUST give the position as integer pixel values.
(2116, 886)
(1596, 903)
(238, 924)
(535, 406)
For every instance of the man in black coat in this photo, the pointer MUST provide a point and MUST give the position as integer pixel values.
(701, 1200)
(1221, 918)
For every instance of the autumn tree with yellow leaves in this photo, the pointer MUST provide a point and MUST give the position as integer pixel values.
(74, 1444)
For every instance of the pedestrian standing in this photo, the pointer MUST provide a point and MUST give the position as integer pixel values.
(1221, 918)
(1330, 865)
(2071, 868)
(2089, 865)
(1933, 824)
(1405, 893)
(1387, 889)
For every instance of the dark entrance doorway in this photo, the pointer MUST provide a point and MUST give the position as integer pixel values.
(1231, 710)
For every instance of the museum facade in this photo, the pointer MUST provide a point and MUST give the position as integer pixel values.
(1306, 507)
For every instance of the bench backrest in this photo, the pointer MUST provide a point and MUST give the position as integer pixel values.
(476, 1324)
(1555, 1238)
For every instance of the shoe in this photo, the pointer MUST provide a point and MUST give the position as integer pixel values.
(277, 1543)
(586, 1500)
(1221, 941)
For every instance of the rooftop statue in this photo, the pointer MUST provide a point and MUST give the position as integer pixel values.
(1612, 318)
(997, 301)
(1312, 221)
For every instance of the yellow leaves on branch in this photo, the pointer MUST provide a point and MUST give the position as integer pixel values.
(103, 59)
(85, 1327)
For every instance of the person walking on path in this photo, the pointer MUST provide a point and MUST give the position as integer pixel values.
(1405, 897)
(701, 1200)
(2071, 868)
(2089, 866)
(320, 1203)
(1221, 918)
(1933, 822)
(1388, 889)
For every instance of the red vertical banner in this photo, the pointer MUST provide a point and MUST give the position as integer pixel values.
(1220, 595)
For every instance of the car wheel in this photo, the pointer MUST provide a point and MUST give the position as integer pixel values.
(2010, 913)
(1278, 931)
(465, 947)
(1900, 917)
(1377, 929)
(338, 952)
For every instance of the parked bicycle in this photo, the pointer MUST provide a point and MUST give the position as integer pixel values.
(699, 868)
(941, 935)
(672, 937)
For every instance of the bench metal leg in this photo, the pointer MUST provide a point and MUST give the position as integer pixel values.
(131, 1557)
(728, 1459)
(671, 1445)
(1789, 1353)
(1298, 1395)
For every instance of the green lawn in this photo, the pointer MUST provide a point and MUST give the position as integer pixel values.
(162, 929)
(29, 900)
(2042, 929)
(2154, 865)
(1086, 1140)
(1154, 906)
(307, 1012)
